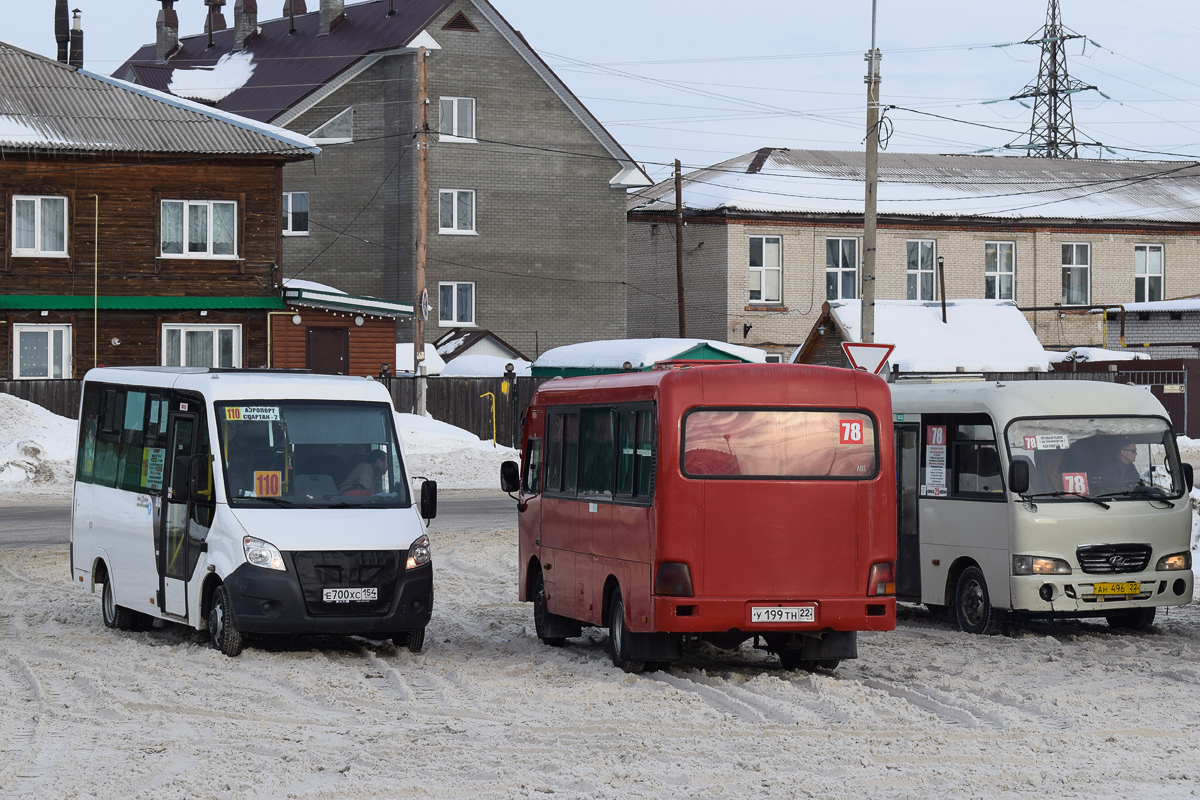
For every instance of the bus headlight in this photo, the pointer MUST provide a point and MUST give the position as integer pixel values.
(1037, 565)
(1174, 561)
(418, 553)
(263, 554)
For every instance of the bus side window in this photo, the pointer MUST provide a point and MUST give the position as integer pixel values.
(86, 459)
(626, 451)
(108, 438)
(644, 458)
(976, 459)
(554, 443)
(596, 451)
(533, 466)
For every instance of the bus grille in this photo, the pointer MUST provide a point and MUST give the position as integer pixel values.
(1109, 559)
(334, 569)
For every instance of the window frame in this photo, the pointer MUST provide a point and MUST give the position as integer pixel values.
(453, 135)
(763, 270)
(67, 369)
(288, 203)
(37, 250)
(841, 271)
(184, 327)
(1087, 271)
(208, 254)
(919, 272)
(455, 321)
(454, 230)
(1143, 280)
(999, 273)
(345, 112)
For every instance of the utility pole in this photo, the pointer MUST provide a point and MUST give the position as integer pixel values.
(422, 226)
(871, 183)
(679, 248)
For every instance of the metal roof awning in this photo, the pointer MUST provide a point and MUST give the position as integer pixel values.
(80, 302)
(335, 301)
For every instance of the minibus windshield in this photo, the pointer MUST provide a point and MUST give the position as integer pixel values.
(1112, 458)
(310, 454)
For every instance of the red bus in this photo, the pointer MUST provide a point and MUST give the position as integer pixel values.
(714, 502)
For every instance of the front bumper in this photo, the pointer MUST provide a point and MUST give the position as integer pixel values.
(1075, 594)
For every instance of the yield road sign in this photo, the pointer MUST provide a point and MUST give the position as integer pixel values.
(868, 356)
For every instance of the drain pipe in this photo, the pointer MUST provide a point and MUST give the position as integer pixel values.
(96, 283)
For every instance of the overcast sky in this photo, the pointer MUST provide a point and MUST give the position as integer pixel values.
(705, 80)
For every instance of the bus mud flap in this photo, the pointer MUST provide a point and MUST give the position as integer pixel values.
(655, 646)
(560, 627)
(832, 644)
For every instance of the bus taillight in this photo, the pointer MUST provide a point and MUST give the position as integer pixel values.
(673, 579)
(881, 580)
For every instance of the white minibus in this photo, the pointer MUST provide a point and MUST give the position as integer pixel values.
(249, 502)
(1042, 498)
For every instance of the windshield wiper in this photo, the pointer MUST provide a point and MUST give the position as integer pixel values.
(276, 501)
(1142, 490)
(1089, 499)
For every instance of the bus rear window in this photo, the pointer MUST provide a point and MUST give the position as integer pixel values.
(778, 444)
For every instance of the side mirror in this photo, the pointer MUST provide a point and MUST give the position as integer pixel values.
(1189, 475)
(510, 477)
(1018, 476)
(181, 480)
(428, 500)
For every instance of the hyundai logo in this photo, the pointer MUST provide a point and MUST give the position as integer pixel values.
(1117, 561)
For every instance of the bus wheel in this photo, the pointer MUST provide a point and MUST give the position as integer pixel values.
(222, 628)
(618, 644)
(1132, 619)
(413, 640)
(115, 616)
(540, 612)
(972, 606)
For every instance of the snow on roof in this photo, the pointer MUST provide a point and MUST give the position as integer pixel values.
(978, 335)
(1182, 304)
(613, 353)
(404, 359)
(483, 366)
(214, 83)
(821, 181)
(312, 286)
(1094, 354)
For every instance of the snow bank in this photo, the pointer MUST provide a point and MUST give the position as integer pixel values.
(484, 366)
(37, 450)
(1082, 354)
(455, 458)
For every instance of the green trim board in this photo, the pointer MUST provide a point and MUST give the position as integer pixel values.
(82, 302)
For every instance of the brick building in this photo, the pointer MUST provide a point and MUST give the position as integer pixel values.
(526, 191)
(771, 235)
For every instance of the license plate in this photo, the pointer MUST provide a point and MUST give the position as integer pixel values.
(783, 614)
(1128, 587)
(360, 595)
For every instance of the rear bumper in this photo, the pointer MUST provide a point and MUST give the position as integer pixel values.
(269, 601)
(718, 615)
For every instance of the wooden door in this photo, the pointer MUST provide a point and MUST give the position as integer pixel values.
(327, 350)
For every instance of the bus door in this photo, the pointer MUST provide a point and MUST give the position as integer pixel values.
(185, 516)
(908, 540)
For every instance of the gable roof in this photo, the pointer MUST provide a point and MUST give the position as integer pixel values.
(48, 106)
(291, 71)
(779, 180)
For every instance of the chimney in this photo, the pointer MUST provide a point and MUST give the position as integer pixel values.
(332, 12)
(168, 31)
(75, 58)
(245, 22)
(62, 25)
(214, 20)
(292, 7)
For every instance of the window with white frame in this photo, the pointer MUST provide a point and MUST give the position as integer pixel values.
(456, 211)
(338, 130)
(41, 351)
(39, 225)
(202, 345)
(999, 269)
(766, 269)
(841, 269)
(199, 228)
(456, 303)
(457, 118)
(921, 256)
(295, 213)
(1147, 272)
(1076, 273)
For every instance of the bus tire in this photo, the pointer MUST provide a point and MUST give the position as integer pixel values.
(793, 660)
(416, 640)
(972, 604)
(118, 617)
(540, 613)
(222, 627)
(1132, 619)
(618, 643)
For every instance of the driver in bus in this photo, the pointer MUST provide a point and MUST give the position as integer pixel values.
(1119, 472)
(367, 477)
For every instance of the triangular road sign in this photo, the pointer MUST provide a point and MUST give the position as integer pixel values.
(867, 356)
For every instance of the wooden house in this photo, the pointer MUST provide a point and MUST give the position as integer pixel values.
(136, 228)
